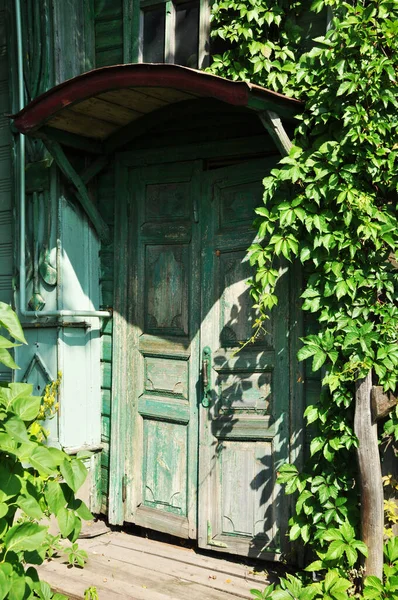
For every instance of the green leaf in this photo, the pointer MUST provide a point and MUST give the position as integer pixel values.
(335, 550)
(10, 321)
(57, 455)
(307, 351)
(361, 547)
(304, 496)
(66, 521)
(316, 445)
(10, 483)
(341, 289)
(319, 359)
(25, 536)
(30, 506)
(27, 408)
(311, 413)
(374, 582)
(295, 531)
(74, 473)
(17, 429)
(42, 460)
(82, 510)
(5, 583)
(7, 359)
(45, 591)
(55, 496)
(347, 531)
(305, 533)
(343, 88)
(351, 554)
(305, 254)
(332, 534)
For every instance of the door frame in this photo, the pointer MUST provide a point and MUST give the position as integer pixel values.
(124, 282)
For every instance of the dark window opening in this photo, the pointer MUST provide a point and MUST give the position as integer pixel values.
(187, 33)
(153, 35)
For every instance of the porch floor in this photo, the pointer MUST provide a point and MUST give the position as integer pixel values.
(122, 565)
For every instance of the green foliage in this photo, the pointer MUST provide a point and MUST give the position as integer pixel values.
(334, 585)
(263, 40)
(36, 482)
(91, 593)
(331, 205)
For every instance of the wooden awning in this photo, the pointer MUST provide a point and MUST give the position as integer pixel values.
(102, 110)
(99, 104)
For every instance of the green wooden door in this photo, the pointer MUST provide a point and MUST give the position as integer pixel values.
(244, 429)
(164, 267)
(191, 463)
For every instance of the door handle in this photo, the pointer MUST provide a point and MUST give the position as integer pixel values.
(206, 376)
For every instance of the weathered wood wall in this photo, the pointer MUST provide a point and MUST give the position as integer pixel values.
(106, 204)
(6, 206)
(108, 20)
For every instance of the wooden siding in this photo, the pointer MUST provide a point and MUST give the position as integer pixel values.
(105, 196)
(108, 23)
(6, 205)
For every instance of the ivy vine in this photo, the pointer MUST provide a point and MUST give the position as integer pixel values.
(331, 205)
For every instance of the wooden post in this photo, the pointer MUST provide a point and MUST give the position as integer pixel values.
(370, 481)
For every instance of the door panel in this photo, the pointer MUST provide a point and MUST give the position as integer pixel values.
(190, 231)
(163, 448)
(243, 431)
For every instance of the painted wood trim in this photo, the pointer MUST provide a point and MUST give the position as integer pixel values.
(204, 34)
(169, 34)
(274, 126)
(297, 371)
(72, 450)
(80, 189)
(297, 428)
(89, 35)
(129, 37)
(247, 146)
(95, 491)
(121, 352)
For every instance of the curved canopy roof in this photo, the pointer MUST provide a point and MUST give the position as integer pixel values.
(99, 104)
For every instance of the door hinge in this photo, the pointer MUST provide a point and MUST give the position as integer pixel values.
(211, 541)
(124, 488)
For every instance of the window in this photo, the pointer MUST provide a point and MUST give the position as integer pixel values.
(174, 31)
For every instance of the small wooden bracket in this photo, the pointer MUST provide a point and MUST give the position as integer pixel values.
(274, 126)
(81, 192)
(382, 403)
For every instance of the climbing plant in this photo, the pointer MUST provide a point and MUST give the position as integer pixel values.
(331, 205)
(36, 482)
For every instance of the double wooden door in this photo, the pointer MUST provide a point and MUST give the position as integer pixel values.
(209, 425)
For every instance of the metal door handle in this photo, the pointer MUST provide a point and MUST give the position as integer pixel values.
(206, 376)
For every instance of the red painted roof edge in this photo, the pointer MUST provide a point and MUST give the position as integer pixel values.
(104, 79)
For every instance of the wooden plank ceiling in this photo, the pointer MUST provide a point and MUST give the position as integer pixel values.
(103, 115)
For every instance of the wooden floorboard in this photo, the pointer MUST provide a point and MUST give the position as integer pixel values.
(134, 568)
